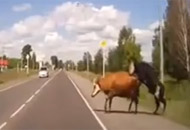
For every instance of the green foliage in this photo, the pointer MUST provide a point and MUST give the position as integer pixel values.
(98, 61)
(54, 61)
(4, 57)
(13, 62)
(26, 51)
(113, 60)
(124, 35)
(33, 61)
(174, 54)
(60, 64)
(119, 57)
(70, 65)
(47, 64)
(131, 53)
(156, 57)
(81, 66)
(177, 23)
(87, 57)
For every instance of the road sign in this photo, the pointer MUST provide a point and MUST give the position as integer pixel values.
(3, 62)
(103, 44)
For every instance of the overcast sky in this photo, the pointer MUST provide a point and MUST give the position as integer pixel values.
(68, 28)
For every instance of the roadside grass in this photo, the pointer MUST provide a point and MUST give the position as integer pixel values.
(12, 75)
(177, 96)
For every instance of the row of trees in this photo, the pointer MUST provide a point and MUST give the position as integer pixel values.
(27, 50)
(56, 62)
(118, 57)
(176, 40)
(21, 62)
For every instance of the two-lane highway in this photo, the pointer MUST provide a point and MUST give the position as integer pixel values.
(11, 99)
(57, 106)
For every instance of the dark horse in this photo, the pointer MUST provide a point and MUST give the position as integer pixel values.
(148, 76)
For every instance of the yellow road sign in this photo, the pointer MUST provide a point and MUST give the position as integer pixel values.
(103, 44)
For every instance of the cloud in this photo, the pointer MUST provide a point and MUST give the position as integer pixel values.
(72, 28)
(22, 7)
(144, 38)
(67, 31)
(154, 25)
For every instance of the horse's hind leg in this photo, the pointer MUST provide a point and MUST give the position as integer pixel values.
(157, 104)
(163, 100)
(161, 95)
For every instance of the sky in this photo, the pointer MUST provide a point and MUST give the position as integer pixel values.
(69, 28)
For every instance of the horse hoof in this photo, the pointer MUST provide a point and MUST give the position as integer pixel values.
(155, 113)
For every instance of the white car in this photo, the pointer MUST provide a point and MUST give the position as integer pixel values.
(43, 73)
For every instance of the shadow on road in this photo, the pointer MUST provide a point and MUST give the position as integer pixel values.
(125, 112)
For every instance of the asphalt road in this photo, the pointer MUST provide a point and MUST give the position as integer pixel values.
(63, 102)
(52, 103)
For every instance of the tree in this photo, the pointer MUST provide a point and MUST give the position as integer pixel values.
(70, 65)
(124, 35)
(98, 61)
(168, 67)
(87, 61)
(13, 62)
(26, 51)
(131, 52)
(60, 64)
(4, 57)
(33, 59)
(54, 61)
(81, 65)
(179, 48)
(47, 64)
(113, 60)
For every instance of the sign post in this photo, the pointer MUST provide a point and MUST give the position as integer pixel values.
(103, 45)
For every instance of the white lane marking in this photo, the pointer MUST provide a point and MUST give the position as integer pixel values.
(88, 105)
(37, 91)
(3, 125)
(17, 111)
(30, 99)
(48, 81)
(17, 84)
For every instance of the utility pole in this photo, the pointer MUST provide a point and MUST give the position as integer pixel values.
(17, 67)
(103, 62)
(161, 47)
(103, 44)
(87, 58)
(27, 57)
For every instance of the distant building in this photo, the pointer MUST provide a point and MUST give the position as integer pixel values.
(3, 64)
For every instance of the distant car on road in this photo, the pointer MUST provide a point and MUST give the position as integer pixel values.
(43, 73)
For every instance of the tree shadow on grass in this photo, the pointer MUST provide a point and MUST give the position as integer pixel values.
(125, 112)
